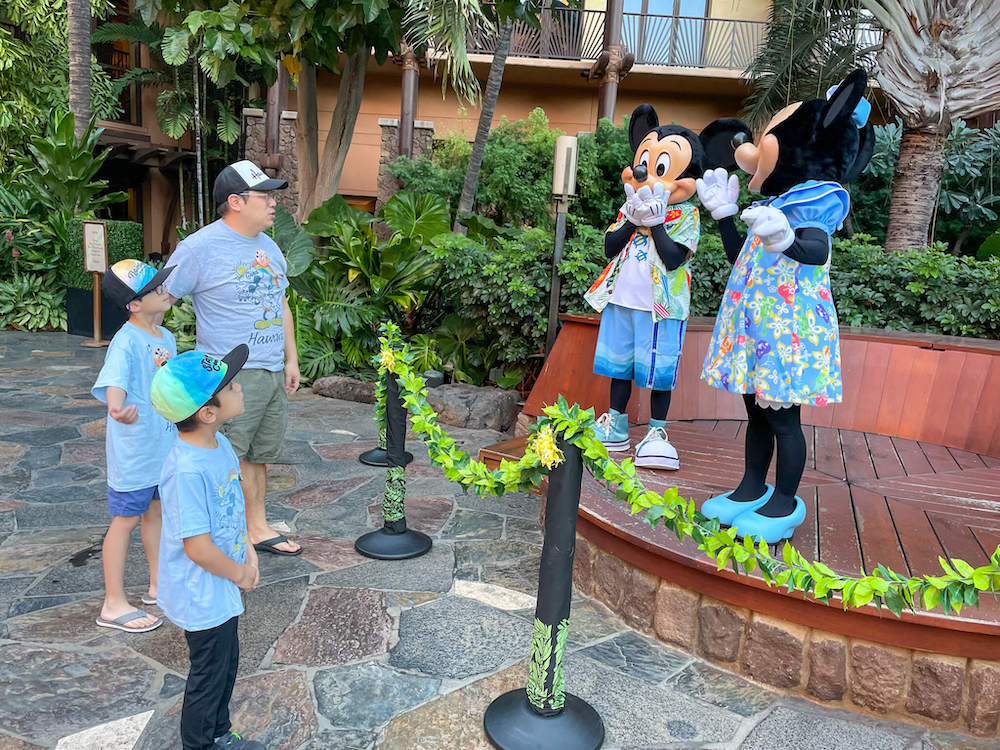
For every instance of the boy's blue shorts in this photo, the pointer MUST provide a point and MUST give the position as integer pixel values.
(630, 346)
(132, 503)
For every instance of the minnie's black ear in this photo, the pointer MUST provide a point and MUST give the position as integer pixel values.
(643, 120)
(841, 103)
(721, 138)
(866, 147)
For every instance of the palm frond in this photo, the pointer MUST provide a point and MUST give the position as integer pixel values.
(134, 31)
(810, 45)
(444, 26)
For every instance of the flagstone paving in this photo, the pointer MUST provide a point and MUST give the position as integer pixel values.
(337, 651)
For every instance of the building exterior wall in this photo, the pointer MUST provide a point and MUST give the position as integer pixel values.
(569, 101)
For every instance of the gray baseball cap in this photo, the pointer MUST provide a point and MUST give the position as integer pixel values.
(242, 176)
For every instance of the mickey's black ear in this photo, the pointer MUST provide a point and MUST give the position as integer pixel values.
(643, 120)
(866, 147)
(721, 138)
(841, 103)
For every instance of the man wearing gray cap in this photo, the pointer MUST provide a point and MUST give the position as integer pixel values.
(236, 277)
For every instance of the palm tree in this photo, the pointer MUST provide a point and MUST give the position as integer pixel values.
(446, 25)
(78, 34)
(940, 62)
(810, 45)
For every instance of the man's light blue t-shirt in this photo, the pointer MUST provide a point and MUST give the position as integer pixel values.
(135, 451)
(237, 285)
(200, 494)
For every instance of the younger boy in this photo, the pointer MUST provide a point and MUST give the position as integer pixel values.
(204, 556)
(137, 438)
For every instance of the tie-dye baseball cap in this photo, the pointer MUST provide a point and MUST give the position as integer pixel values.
(131, 279)
(186, 382)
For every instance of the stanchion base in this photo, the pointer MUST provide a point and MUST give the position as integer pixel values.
(378, 457)
(384, 545)
(92, 343)
(511, 724)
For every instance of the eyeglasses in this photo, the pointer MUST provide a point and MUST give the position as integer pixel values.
(251, 194)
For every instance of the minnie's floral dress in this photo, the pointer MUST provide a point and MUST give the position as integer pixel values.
(776, 333)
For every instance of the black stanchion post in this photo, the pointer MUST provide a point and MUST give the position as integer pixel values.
(394, 541)
(544, 715)
(377, 456)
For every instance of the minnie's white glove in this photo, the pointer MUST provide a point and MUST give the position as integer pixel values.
(718, 192)
(771, 226)
(648, 207)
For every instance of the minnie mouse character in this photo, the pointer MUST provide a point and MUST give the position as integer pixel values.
(644, 294)
(776, 340)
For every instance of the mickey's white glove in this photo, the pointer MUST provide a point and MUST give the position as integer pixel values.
(718, 192)
(650, 205)
(632, 205)
(771, 226)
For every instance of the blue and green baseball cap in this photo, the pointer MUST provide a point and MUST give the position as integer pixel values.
(130, 279)
(186, 382)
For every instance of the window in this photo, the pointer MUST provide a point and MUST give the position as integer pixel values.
(665, 32)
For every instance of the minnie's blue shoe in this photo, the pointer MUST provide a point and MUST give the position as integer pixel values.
(771, 530)
(726, 510)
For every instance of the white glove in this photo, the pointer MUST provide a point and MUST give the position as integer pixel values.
(718, 193)
(632, 205)
(652, 205)
(771, 226)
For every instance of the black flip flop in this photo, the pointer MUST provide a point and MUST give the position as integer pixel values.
(268, 546)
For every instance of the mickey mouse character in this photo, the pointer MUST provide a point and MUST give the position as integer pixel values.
(644, 294)
(776, 340)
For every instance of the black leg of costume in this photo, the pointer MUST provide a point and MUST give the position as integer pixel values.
(759, 450)
(659, 404)
(621, 390)
(786, 425)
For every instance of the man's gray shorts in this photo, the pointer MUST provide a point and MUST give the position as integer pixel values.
(258, 434)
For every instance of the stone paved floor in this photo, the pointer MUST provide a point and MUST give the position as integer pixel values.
(337, 651)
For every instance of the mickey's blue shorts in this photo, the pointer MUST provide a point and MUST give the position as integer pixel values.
(631, 346)
(133, 503)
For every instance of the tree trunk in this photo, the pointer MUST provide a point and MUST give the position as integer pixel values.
(200, 211)
(471, 184)
(306, 137)
(915, 188)
(338, 139)
(78, 34)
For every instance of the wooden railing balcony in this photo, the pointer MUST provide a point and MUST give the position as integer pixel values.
(680, 41)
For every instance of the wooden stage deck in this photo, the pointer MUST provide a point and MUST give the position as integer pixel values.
(871, 499)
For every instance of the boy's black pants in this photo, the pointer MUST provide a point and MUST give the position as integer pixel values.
(215, 654)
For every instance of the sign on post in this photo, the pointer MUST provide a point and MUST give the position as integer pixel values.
(95, 260)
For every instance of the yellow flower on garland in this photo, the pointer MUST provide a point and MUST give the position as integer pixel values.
(388, 360)
(546, 449)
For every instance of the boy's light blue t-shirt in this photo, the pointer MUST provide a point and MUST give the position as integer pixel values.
(135, 451)
(237, 285)
(200, 494)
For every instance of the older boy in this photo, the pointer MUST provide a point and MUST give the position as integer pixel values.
(137, 438)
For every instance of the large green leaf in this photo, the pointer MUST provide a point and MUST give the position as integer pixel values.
(324, 219)
(424, 216)
(175, 45)
(227, 126)
(293, 241)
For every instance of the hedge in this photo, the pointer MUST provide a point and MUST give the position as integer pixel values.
(125, 240)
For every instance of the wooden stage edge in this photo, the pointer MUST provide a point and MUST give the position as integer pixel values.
(891, 478)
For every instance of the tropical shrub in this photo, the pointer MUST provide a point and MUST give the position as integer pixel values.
(32, 302)
(357, 279)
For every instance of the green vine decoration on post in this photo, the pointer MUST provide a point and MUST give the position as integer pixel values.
(959, 585)
(380, 411)
(395, 494)
(543, 650)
